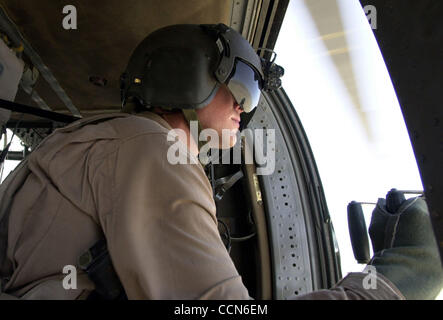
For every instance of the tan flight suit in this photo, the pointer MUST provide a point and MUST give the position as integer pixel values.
(113, 177)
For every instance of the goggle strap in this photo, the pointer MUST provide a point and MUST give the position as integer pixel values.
(191, 115)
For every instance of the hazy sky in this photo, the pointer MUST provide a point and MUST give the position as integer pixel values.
(337, 80)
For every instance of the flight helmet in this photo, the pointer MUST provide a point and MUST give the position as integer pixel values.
(182, 67)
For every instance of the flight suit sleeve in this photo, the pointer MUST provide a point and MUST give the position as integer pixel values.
(160, 225)
(352, 287)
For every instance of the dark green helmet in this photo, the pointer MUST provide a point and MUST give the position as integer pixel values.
(182, 66)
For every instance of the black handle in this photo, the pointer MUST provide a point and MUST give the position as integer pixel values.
(394, 199)
(358, 232)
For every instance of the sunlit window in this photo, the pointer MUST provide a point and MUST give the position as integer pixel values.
(9, 165)
(338, 82)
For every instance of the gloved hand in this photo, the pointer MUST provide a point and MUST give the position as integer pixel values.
(405, 250)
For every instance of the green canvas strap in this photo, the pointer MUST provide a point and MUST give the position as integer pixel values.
(191, 115)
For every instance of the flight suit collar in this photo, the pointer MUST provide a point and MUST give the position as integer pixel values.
(155, 117)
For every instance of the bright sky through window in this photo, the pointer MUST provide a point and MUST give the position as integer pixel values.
(339, 85)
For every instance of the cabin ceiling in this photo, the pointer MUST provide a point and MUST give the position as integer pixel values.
(107, 33)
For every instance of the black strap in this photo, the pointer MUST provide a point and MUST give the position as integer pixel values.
(54, 116)
(224, 184)
(97, 264)
(191, 115)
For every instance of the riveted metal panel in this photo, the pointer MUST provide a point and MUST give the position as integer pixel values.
(286, 223)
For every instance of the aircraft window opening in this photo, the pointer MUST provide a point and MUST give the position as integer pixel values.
(371, 139)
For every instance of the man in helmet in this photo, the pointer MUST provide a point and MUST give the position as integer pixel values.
(184, 67)
(108, 177)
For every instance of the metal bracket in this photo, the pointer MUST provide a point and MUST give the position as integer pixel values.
(224, 184)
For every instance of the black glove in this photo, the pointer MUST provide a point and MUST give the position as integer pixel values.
(405, 250)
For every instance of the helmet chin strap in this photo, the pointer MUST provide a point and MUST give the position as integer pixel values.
(191, 115)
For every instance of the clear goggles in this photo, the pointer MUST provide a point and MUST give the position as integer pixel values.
(245, 86)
